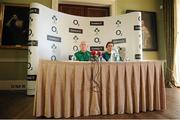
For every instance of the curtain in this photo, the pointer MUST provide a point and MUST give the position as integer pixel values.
(177, 39)
(170, 42)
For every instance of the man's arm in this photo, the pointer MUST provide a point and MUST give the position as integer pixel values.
(14, 17)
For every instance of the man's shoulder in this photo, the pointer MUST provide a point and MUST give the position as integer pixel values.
(88, 52)
(104, 53)
(78, 52)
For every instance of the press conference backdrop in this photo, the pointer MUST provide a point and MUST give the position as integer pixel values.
(54, 36)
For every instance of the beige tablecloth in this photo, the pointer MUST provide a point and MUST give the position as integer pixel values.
(65, 89)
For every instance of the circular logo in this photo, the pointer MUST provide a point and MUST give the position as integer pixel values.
(30, 32)
(53, 58)
(118, 32)
(54, 29)
(29, 66)
(75, 22)
(97, 40)
(75, 48)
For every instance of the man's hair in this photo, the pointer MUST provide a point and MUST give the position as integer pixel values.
(109, 43)
(83, 42)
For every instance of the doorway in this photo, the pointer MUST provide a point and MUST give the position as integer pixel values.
(86, 11)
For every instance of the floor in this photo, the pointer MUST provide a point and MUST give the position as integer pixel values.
(16, 104)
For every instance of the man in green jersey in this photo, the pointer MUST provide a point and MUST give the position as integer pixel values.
(83, 54)
(106, 55)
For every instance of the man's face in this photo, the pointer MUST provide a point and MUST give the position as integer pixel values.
(83, 46)
(19, 23)
(109, 47)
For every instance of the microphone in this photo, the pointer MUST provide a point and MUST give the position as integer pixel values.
(93, 52)
(95, 55)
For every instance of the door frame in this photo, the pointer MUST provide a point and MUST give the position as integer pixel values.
(110, 3)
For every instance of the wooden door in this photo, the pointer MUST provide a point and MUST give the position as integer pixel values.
(97, 11)
(81, 10)
(72, 9)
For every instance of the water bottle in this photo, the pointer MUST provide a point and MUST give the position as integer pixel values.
(117, 57)
(114, 56)
(73, 58)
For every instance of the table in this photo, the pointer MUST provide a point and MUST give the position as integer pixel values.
(66, 89)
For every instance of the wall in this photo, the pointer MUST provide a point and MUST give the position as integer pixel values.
(152, 6)
(44, 2)
(13, 62)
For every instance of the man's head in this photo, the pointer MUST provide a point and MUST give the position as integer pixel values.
(83, 46)
(19, 23)
(109, 46)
